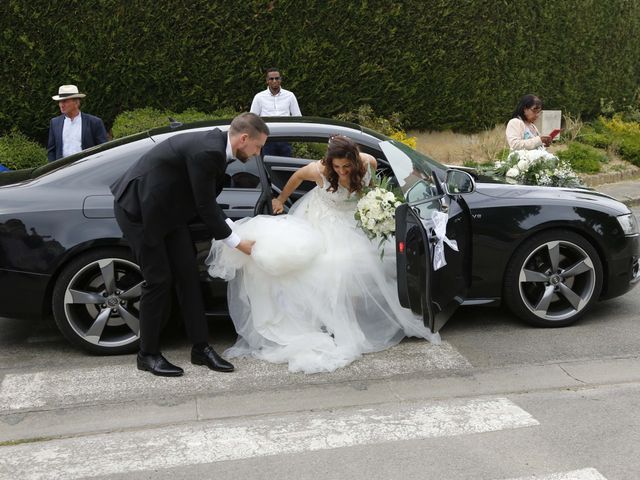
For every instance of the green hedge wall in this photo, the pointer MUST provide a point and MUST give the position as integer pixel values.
(458, 64)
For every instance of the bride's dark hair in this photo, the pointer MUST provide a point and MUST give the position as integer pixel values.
(343, 147)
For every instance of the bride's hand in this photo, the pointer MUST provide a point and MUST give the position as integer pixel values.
(245, 246)
(277, 206)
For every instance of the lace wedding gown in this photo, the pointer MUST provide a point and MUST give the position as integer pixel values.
(314, 293)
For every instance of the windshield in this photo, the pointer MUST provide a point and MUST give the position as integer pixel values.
(416, 174)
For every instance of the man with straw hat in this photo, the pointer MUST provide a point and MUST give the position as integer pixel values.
(72, 131)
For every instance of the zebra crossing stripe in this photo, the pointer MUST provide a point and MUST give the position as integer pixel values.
(233, 439)
(584, 474)
(23, 391)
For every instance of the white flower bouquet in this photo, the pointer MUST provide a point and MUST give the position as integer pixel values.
(537, 167)
(375, 212)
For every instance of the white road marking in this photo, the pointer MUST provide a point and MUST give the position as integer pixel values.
(584, 474)
(66, 387)
(233, 439)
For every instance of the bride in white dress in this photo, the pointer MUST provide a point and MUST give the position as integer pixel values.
(314, 293)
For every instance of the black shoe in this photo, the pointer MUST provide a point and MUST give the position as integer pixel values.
(158, 365)
(208, 356)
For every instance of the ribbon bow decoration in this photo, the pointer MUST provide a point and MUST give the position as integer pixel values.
(440, 226)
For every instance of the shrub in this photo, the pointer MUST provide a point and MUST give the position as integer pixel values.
(141, 119)
(599, 140)
(583, 158)
(624, 135)
(18, 152)
(629, 149)
(619, 127)
(391, 126)
(572, 128)
(621, 135)
(401, 136)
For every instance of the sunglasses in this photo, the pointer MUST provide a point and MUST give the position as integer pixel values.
(273, 78)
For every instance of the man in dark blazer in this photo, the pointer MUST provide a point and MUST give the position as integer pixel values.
(72, 131)
(175, 181)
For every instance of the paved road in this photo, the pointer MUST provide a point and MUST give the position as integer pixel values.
(497, 400)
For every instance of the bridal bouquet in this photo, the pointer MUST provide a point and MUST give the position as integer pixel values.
(537, 167)
(375, 212)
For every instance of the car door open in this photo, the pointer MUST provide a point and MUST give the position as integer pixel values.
(432, 293)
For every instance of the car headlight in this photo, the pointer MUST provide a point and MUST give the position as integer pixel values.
(629, 224)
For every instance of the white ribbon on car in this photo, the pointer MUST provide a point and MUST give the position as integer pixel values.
(440, 226)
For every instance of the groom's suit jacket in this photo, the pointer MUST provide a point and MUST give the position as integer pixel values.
(93, 133)
(174, 182)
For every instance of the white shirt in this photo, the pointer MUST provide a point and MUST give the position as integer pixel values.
(72, 135)
(232, 240)
(283, 104)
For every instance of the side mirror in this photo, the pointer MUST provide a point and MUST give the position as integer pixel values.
(459, 182)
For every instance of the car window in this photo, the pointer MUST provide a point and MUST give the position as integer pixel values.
(62, 162)
(311, 150)
(101, 168)
(238, 175)
(416, 174)
(283, 156)
(242, 175)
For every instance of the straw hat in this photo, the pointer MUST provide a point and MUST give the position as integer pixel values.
(68, 91)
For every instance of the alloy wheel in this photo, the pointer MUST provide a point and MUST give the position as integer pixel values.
(102, 300)
(557, 280)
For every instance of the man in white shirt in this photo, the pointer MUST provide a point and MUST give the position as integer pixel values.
(275, 101)
(72, 131)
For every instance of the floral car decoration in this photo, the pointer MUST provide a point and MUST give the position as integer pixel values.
(537, 167)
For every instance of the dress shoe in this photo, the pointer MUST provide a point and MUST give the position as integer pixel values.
(158, 365)
(208, 356)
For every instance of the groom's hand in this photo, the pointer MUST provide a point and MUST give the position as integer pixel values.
(245, 246)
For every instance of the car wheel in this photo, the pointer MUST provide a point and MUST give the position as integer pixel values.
(553, 279)
(96, 301)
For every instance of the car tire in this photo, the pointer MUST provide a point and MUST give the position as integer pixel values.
(96, 301)
(553, 279)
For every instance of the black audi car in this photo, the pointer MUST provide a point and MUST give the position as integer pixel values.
(547, 253)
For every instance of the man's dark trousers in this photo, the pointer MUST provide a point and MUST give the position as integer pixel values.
(172, 258)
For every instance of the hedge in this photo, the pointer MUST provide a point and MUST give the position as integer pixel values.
(18, 152)
(443, 63)
(139, 120)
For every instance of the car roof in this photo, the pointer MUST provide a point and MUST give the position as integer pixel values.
(324, 124)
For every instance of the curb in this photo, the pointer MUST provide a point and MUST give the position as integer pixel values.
(632, 202)
(610, 177)
(629, 200)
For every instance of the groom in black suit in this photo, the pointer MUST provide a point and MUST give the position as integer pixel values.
(155, 199)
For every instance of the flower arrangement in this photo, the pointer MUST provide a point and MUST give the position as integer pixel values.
(375, 212)
(537, 167)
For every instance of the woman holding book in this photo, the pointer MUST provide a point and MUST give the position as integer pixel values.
(522, 134)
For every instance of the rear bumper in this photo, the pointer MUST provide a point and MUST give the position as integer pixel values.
(22, 294)
(624, 270)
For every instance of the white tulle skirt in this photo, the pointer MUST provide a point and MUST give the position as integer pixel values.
(314, 293)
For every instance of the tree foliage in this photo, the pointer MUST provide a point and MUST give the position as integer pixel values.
(442, 63)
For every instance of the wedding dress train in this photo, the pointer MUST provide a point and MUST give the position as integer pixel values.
(315, 292)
